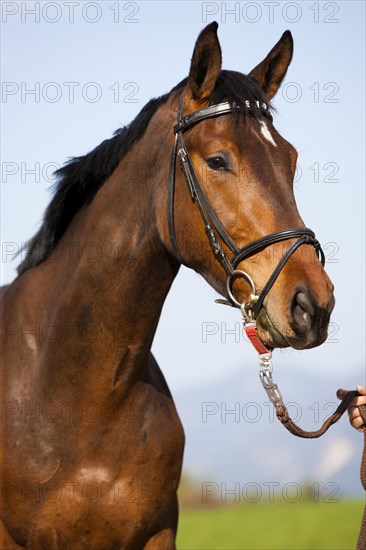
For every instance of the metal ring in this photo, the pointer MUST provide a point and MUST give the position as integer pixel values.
(237, 274)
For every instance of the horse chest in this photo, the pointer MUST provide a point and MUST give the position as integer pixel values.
(105, 483)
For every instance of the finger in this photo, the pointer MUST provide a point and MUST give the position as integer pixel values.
(361, 400)
(341, 394)
(357, 423)
(353, 412)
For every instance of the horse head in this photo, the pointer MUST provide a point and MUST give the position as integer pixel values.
(239, 205)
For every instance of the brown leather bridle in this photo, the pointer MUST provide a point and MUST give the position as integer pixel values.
(213, 227)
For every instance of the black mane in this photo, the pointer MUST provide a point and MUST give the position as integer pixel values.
(81, 177)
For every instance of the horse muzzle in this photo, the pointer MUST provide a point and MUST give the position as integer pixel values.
(306, 325)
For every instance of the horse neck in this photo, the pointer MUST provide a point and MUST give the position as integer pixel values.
(110, 291)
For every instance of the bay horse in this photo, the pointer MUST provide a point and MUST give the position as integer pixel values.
(92, 443)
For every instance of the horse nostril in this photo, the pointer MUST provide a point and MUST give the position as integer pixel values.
(308, 317)
(302, 311)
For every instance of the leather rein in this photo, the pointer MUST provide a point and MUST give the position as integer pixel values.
(250, 309)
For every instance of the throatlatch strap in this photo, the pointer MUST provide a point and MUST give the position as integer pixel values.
(173, 238)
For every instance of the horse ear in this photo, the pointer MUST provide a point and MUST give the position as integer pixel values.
(205, 64)
(271, 71)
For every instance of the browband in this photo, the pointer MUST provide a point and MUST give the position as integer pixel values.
(217, 110)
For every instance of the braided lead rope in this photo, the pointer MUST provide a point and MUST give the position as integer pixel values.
(274, 395)
(284, 418)
(361, 541)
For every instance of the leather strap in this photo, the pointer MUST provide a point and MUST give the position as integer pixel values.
(251, 332)
(260, 244)
(198, 194)
(217, 110)
(208, 112)
(267, 287)
(171, 191)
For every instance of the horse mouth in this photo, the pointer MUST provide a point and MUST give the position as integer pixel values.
(268, 333)
(272, 336)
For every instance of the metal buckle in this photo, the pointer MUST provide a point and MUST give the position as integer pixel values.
(247, 310)
(265, 375)
(265, 360)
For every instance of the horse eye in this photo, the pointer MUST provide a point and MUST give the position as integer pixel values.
(218, 163)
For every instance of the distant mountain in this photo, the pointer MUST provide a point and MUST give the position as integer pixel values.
(237, 449)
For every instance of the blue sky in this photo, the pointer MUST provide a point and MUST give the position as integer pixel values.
(113, 57)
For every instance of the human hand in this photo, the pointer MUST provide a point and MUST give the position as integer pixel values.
(353, 410)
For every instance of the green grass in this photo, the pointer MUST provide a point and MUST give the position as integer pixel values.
(271, 526)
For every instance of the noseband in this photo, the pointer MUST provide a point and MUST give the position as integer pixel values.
(213, 227)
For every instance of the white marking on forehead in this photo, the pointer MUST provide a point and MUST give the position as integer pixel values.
(266, 133)
(96, 474)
